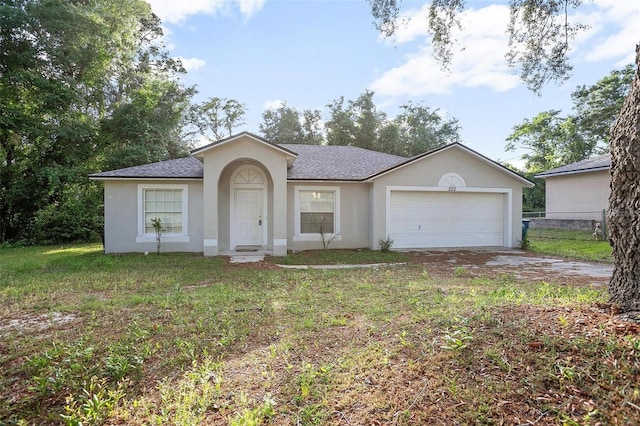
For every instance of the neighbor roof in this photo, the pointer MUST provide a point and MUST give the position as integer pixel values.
(602, 162)
(181, 168)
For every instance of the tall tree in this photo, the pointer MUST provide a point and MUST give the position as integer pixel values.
(220, 115)
(340, 126)
(390, 139)
(551, 141)
(367, 120)
(312, 127)
(60, 85)
(623, 216)
(597, 107)
(147, 127)
(540, 34)
(423, 129)
(282, 125)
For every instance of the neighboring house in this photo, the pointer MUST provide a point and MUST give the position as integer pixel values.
(578, 190)
(245, 193)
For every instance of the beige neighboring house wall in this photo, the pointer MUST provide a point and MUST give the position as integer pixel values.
(577, 196)
(479, 175)
(122, 217)
(578, 191)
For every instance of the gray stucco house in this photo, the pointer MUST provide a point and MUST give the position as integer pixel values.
(246, 192)
(578, 190)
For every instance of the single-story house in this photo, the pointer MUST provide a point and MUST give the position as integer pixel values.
(579, 190)
(244, 193)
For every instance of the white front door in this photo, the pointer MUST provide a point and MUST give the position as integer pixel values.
(249, 220)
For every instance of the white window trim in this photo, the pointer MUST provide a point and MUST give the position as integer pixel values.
(168, 237)
(297, 235)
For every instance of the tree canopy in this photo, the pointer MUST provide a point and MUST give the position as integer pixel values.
(75, 99)
(539, 33)
(416, 129)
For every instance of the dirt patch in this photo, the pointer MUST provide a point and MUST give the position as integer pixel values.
(491, 264)
(522, 265)
(34, 322)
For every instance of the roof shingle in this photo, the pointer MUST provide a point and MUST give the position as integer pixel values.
(314, 162)
(336, 162)
(602, 162)
(181, 168)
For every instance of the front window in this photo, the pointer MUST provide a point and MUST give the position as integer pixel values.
(166, 205)
(317, 210)
(167, 202)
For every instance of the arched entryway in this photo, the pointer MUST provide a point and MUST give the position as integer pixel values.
(248, 208)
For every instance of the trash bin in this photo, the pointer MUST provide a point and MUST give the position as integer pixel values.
(525, 228)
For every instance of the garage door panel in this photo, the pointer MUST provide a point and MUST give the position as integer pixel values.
(443, 219)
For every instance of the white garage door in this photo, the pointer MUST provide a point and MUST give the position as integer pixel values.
(446, 219)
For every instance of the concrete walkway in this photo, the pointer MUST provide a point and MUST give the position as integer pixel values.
(364, 265)
(246, 258)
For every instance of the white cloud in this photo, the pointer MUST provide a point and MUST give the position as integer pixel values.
(617, 34)
(479, 60)
(192, 64)
(177, 11)
(272, 104)
(412, 24)
(248, 8)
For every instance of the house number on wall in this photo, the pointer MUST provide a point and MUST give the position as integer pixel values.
(452, 181)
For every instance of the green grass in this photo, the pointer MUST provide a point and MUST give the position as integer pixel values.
(343, 257)
(88, 338)
(575, 244)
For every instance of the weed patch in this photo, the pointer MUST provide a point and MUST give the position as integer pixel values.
(89, 338)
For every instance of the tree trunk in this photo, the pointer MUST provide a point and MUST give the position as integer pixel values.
(624, 201)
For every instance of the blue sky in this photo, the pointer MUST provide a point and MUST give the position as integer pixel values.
(308, 53)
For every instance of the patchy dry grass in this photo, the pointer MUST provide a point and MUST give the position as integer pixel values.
(183, 339)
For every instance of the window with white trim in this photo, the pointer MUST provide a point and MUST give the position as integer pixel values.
(166, 205)
(317, 211)
(165, 202)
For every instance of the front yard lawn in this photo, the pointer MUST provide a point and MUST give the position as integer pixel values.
(184, 339)
(575, 244)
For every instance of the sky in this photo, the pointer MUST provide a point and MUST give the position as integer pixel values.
(309, 53)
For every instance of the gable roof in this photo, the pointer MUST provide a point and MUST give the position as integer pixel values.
(337, 162)
(464, 148)
(602, 162)
(181, 168)
(202, 149)
(312, 162)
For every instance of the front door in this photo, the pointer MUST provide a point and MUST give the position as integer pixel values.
(249, 218)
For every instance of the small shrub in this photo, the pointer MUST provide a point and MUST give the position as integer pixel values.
(385, 245)
(157, 226)
(525, 243)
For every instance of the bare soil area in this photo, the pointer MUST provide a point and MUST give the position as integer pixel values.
(522, 265)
